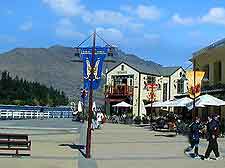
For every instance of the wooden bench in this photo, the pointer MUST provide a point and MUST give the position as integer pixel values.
(15, 142)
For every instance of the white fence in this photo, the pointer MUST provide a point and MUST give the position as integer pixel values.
(22, 114)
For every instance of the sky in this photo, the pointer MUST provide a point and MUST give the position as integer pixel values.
(164, 31)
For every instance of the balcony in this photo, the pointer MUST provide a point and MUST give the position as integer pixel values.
(119, 90)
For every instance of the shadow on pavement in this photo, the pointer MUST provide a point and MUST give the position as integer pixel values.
(167, 135)
(75, 146)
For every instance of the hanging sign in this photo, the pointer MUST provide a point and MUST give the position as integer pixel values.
(194, 89)
(98, 60)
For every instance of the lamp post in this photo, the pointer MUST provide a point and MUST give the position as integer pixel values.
(90, 112)
(151, 95)
(194, 108)
(92, 58)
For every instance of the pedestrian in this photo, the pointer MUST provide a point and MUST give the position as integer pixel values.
(99, 119)
(94, 121)
(217, 119)
(104, 118)
(194, 137)
(212, 135)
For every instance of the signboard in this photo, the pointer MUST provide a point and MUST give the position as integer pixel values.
(194, 89)
(98, 60)
(152, 87)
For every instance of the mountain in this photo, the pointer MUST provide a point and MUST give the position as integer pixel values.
(53, 66)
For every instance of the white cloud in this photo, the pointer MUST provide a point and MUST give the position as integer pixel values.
(66, 29)
(26, 26)
(215, 16)
(183, 21)
(106, 17)
(123, 18)
(112, 35)
(148, 12)
(66, 7)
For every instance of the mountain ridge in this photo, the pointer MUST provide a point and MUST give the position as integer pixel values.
(53, 66)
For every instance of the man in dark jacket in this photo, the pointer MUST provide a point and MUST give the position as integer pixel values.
(212, 135)
(194, 136)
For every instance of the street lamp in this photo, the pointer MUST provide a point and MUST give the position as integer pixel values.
(93, 63)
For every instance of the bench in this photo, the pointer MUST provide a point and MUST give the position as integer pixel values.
(15, 142)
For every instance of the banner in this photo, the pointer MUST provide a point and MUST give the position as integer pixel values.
(194, 89)
(152, 87)
(100, 54)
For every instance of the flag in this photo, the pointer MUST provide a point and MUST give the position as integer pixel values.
(194, 89)
(100, 54)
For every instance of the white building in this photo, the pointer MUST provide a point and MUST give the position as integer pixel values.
(126, 82)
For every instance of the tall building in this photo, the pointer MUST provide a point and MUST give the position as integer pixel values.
(128, 82)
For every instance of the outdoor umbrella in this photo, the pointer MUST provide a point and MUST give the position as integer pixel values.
(122, 104)
(181, 102)
(208, 100)
(158, 104)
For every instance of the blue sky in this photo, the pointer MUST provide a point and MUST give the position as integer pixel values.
(164, 31)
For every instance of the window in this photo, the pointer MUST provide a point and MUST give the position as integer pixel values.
(217, 72)
(131, 82)
(165, 92)
(151, 79)
(122, 67)
(180, 86)
(159, 87)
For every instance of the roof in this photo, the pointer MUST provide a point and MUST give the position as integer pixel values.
(168, 71)
(216, 44)
(150, 69)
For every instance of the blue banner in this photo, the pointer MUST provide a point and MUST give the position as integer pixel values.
(100, 54)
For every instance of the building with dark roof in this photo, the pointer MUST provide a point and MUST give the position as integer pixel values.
(128, 82)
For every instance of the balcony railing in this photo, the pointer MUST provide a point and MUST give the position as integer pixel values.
(119, 90)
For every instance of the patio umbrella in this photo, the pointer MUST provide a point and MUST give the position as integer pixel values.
(122, 104)
(158, 104)
(208, 100)
(182, 102)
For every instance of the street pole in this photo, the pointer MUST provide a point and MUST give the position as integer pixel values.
(151, 101)
(90, 112)
(194, 108)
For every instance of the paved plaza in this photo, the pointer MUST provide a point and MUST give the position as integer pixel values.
(128, 146)
(112, 146)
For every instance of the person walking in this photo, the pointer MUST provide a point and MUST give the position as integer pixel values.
(194, 137)
(212, 135)
(99, 118)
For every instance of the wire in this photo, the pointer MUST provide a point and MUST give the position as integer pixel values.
(103, 40)
(85, 40)
(188, 67)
